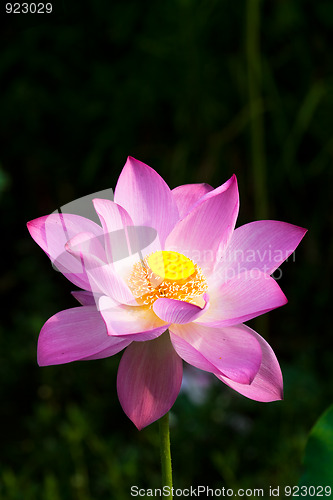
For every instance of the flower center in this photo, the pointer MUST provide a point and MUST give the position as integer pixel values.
(170, 265)
(167, 274)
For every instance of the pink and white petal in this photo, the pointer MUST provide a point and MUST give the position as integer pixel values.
(149, 380)
(207, 228)
(114, 220)
(261, 245)
(125, 243)
(178, 311)
(102, 276)
(242, 298)
(146, 197)
(188, 353)
(75, 334)
(87, 248)
(137, 323)
(231, 352)
(85, 298)
(220, 189)
(110, 283)
(141, 241)
(267, 385)
(189, 194)
(52, 232)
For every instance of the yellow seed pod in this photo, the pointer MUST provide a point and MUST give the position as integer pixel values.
(170, 265)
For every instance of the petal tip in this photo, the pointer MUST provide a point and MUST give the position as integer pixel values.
(32, 225)
(96, 202)
(232, 180)
(140, 424)
(304, 230)
(133, 161)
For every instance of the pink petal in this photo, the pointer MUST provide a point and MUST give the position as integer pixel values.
(75, 334)
(204, 232)
(86, 247)
(261, 245)
(51, 233)
(103, 278)
(114, 219)
(109, 351)
(125, 243)
(231, 352)
(85, 298)
(149, 380)
(178, 311)
(246, 296)
(267, 385)
(146, 197)
(186, 196)
(137, 323)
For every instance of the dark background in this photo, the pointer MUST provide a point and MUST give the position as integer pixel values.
(197, 90)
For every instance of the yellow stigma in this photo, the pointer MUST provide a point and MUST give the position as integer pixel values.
(170, 265)
(167, 274)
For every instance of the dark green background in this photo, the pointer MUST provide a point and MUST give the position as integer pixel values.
(168, 83)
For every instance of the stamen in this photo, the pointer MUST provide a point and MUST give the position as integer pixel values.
(167, 274)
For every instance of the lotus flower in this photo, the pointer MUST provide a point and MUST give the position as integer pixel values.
(167, 277)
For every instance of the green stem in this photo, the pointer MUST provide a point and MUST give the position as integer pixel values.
(165, 453)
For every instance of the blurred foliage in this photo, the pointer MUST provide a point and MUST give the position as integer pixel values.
(165, 82)
(318, 462)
